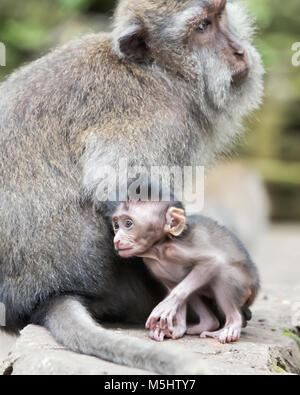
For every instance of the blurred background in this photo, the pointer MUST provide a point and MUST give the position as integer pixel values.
(272, 142)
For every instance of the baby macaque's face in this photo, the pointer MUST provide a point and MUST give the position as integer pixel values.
(139, 225)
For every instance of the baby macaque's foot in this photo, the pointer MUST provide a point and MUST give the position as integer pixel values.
(208, 325)
(228, 334)
(178, 331)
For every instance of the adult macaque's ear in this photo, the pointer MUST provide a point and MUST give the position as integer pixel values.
(175, 221)
(131, 42)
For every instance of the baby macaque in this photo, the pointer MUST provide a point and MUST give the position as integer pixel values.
(196, 259)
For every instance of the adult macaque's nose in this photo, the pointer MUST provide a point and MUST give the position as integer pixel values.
(238, 50)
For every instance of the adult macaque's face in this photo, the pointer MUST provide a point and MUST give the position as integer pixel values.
(215, 39)
(210, 30)
(207, 42)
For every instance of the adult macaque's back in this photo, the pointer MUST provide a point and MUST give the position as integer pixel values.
(169, 86)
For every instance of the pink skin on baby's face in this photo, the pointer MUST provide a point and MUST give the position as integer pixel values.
(137, 227)
(140, 225)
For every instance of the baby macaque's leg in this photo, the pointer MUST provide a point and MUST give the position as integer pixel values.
(233, 326)
(179, 328)
(230, 333)
(208, 321)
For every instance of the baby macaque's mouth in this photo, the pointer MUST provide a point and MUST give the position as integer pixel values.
(124, 251)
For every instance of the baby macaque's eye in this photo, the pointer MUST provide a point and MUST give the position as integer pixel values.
(128, 224)
(116, 225)
(203, 26)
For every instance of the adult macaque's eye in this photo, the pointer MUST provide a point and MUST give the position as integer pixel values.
(202, 27)
(116, 225)
(128, 224)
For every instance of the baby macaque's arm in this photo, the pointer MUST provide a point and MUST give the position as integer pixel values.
(166, 311)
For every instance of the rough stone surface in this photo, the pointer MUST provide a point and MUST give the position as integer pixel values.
(263, 348)
(37, 353)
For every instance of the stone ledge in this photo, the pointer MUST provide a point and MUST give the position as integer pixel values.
(263, 349)
(37, 353)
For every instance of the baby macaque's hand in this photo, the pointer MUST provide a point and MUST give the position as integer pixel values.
(163, 316)
(167, 320)
(159, 334)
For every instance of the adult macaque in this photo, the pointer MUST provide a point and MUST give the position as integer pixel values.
(168, 87)
(195, 258)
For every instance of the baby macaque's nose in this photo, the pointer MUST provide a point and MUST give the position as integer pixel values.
(116, 243)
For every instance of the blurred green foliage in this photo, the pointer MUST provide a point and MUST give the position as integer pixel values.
(278, 28)
(26, 26)
(273, 143)
(29, 28)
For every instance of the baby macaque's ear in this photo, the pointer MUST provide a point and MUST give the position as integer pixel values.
(175, 221)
